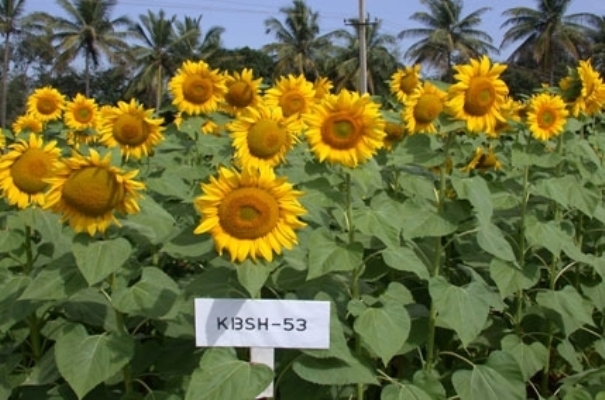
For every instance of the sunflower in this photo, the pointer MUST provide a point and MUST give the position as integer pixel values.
(130, 127)
(262, 136)
(322, 87)
(478, 95)
(25, 167)
(2, 140)
(483, 160)
(511, 111)
(88, 190)
(76, 138)
(294, 94)
(242, 91)
(346, 128)
(404, 81)
(81, 113)
(546, 116)
(46, 104)
(197, 89)
(27, 123)
(250, 214)
(422, 107)
(584, 90)
(394, 134)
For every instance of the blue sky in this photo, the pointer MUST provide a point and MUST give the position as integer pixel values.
(244, 19)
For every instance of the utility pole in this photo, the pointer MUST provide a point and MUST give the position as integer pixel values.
(363, 57)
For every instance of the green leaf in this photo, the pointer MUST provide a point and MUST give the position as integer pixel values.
(327, 255)
(98, 259)
(153, 221)
(531, 357)
(548, 235)
(570, 193)
(578, 394)
(85, 361)
(417, 149)
(416, 185)
(332, 371)
(404, 391)
(170, 185)
(463, 309)
(45, 371)
(188, 245)
(491, 240)
(222, 376)
(422, 221)
(381, 220)
(405, 259)
(596, 294)
(498, 379)
(153, 296)
(535, 156)
(49, 226)
(338, 343)
(367, 178)
(510, 278)
(12, 309)
(475, 190)
(90, 307)
(58, 280)
(397, 293)
(372, 324)
(570, 310)
(566, 350)
(253, 275)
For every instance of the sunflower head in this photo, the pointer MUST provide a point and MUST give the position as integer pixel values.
(478, 95)
(483, 160)
(81, 113)
(294, 94)
(197, 89)
(25, 168)
(422, 107)
(546, 116)
(512, 112)
(583, 89)
(394, 134)
(27, 123)
(346, 128)
(322, 87)
(404, 81)
(46, 104)
(87, 191)
(130, 127)
(251, 214)
(242, 91)
(2, 140)
(262, 136)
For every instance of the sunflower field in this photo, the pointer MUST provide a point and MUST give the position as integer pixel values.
(457, 233)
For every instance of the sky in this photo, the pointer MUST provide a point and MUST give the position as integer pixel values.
(243, 20)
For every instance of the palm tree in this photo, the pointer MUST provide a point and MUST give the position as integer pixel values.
(598, 46)
(382, 56)
(155, 58)
(298, 41)
(87, 30)
(10, 13)
(204, 46)
(547, 33)
(446, 35)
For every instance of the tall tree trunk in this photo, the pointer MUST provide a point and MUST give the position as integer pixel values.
(3, 98)
(159, 90)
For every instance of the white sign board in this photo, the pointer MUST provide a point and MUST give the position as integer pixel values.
(298, 324)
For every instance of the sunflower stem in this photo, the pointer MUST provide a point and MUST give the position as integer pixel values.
(355, 289)
(122, 330)
(436, 270)
(32, 321)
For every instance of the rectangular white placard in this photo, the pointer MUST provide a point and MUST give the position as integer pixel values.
(298, 324)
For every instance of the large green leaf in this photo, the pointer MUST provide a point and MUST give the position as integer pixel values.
(531, 357)
(372, 324)
(366, 178)
(87, 360)
(253, 275)
(327, 255)
(404, 391)
(417, 149)
(509, 278)
(498, 379)
(405, 259)
(463, 309)
(96, 260)
(56, 281)
(153, 296)
(380, 220)
(567, 351)
(221, 375)
(569, 192)
(475, 190)
(332, 371)
(422, 221)
(12, 309)
(491, 239)
(546, 234)
(570, 310)
(338, 343)
(153, 221)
